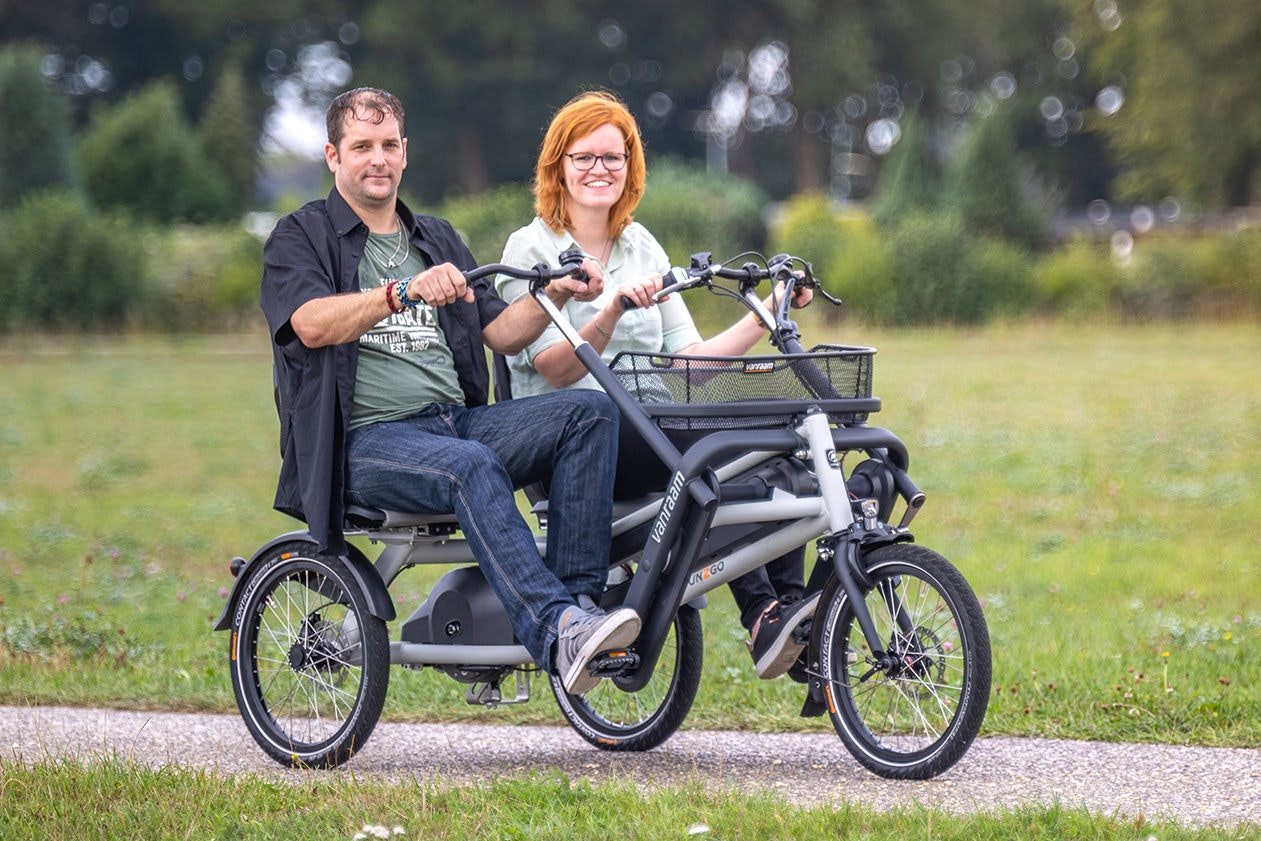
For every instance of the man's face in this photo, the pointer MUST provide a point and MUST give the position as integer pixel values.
(368, 162)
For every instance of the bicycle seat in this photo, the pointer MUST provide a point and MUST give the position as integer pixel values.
(377, 518)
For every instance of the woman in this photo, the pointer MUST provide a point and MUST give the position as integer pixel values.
(588, 180)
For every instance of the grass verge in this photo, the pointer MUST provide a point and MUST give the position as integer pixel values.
(114, 799)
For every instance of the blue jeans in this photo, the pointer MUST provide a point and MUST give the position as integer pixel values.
(469, 461)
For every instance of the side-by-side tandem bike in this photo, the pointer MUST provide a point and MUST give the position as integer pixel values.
(778, 455)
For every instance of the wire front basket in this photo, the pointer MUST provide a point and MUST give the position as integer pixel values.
(740, 392)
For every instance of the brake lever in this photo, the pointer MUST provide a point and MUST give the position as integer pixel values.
(682, 280)
(834, 301)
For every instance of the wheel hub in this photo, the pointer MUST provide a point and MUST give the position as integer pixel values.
(918, 661)
(297, 656)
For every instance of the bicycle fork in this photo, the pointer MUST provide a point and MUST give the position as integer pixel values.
(844, 538)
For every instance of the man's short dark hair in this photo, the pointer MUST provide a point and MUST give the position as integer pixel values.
(371, 104)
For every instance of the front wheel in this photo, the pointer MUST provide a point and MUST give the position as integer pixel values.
(913, 714)
(612, 719)
(310, 664)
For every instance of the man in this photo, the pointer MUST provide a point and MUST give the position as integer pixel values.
(381, 388)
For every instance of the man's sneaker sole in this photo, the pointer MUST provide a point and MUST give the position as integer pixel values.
(618, 631)
(784, 651)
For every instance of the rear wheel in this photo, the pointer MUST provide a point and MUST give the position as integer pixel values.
(914, 714)
(612, 719)
(310, 664)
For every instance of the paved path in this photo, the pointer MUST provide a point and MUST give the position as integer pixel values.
(1196, 786)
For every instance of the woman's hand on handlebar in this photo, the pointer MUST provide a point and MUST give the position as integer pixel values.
(637, 295)
(802, 295)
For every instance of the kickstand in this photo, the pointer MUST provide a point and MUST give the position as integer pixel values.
(488, 693)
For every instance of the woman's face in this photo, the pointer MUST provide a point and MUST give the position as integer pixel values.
(597, 187)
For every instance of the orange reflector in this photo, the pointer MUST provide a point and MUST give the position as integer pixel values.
(234, 646)
(827, 690)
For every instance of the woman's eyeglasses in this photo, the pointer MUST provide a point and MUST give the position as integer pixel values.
(584, 161)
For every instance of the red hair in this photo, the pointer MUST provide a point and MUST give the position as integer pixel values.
(579, 117)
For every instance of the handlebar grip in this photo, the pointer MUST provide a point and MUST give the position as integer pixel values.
(680, 280)
(627, 303)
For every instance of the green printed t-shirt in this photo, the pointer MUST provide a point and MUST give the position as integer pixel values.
(405, 363)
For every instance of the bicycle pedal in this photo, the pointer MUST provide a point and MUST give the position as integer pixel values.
(613, 662)
(801, 634)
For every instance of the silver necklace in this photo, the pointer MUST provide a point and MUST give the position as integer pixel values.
(392, 261)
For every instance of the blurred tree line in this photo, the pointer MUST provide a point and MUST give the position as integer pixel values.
(1111, 101)
(918, 147)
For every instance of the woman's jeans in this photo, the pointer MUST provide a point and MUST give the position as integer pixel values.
(452, 459)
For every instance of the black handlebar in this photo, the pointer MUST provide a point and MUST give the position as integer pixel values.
(539, 276)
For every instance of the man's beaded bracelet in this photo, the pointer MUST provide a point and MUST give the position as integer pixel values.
(402, 295)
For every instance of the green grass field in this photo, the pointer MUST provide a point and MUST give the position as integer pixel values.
(1098, 485)
(113, 800)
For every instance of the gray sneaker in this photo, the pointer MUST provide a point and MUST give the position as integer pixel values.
(583, 635)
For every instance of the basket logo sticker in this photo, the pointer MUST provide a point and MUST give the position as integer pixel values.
(759, 367)
(831, 457)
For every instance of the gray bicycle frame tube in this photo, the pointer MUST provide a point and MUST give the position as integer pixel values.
(405, 547)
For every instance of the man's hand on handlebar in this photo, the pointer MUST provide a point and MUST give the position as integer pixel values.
(440, 285)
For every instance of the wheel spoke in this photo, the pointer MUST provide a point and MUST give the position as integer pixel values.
(912, 709)
(293, 620)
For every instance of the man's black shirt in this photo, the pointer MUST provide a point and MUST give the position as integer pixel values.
(315, 252)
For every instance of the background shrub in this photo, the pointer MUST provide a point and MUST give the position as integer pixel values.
(142, 155)
(846, 250)
(34, 128)
(66, 266)
(1231, 266)
(987, 186)
(910, 179)
(688, 210)
(487, 219)
(1077, 280)
(1163, 279)
(862, 277)
(940, 273)
(203, 277)
(810, 227)
(1003, 279)
(229, 139)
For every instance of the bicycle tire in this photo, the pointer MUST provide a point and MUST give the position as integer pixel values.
(919, 721)
(309, 663)
(614, 720)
